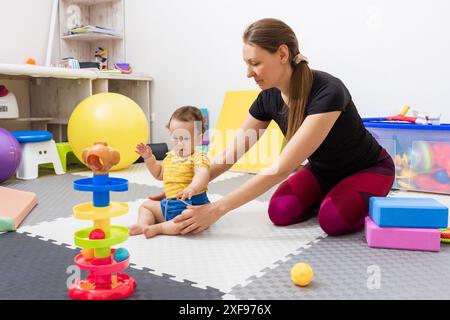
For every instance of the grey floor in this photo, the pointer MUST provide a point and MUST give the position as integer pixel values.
(344, 267)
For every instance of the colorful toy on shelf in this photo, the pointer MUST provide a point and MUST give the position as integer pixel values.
(31, 61)
(69, 63)
(405, 223)
(123, 67)
(101, 57)
(302, 274)
(105, 282)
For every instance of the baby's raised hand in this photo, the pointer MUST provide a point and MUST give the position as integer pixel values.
(144, 151)
(187, 193)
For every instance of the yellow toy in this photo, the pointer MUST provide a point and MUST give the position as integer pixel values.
(234, 111)
(302, 274)
(108, 117)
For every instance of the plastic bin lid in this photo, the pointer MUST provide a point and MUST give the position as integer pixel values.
(385, 124)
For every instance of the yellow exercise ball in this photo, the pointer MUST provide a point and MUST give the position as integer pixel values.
(112, 118)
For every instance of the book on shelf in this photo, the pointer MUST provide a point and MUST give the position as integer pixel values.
(93, 29)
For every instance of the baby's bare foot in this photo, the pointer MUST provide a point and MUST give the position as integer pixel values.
(153, 230)
(136, 229)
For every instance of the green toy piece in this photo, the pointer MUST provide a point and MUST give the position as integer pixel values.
(445, 235)
(65, 154)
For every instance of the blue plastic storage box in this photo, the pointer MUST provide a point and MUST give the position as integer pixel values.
(421, 153)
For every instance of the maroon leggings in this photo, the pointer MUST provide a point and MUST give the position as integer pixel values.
(341, 207)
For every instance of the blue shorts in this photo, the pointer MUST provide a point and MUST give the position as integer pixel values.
(175, 207)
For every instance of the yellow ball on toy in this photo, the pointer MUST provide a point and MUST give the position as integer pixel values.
(302, 274)
(112, 118)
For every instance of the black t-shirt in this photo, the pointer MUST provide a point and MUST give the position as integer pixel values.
(348, 148)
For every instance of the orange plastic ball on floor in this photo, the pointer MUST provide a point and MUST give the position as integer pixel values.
(302, 274)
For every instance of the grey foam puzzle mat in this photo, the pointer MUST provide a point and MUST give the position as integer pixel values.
(53, 190)
(341, 264)
(346, 268)
(33, 269)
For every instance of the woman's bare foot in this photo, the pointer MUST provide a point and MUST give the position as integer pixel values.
(136, 229)
(153, 230)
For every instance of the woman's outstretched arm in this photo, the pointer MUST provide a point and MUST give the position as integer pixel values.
(306, 140)
(247, 135)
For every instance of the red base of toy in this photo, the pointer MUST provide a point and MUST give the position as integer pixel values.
(87, 289)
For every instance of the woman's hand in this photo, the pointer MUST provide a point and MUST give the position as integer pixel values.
(144, 151)
(195, 219)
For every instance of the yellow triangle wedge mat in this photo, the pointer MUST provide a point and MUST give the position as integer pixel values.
(233, 113)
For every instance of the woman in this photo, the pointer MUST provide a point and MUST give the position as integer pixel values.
(319, 119)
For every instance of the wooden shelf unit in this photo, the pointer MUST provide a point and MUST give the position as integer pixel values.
(101, 13)
(49, 95)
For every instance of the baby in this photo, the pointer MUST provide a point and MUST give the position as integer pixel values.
(184, 172)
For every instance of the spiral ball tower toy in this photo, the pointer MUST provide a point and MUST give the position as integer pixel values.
(104, 263)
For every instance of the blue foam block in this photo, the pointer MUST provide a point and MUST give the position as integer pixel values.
(408, 212)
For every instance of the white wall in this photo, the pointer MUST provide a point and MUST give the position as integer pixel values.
(389, 53)
(24, 28)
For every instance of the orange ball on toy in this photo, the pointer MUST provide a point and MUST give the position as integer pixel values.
(88, 253)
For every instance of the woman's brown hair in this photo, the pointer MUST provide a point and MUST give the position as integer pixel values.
(270, 34)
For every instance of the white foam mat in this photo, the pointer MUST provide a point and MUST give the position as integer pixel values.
(238, 246)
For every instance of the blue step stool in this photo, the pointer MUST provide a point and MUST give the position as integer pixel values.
(408, 212)
(38, 147)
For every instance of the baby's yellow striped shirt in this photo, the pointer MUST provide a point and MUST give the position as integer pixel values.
(179, 171)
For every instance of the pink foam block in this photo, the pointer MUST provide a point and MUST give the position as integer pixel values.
(402, 238)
